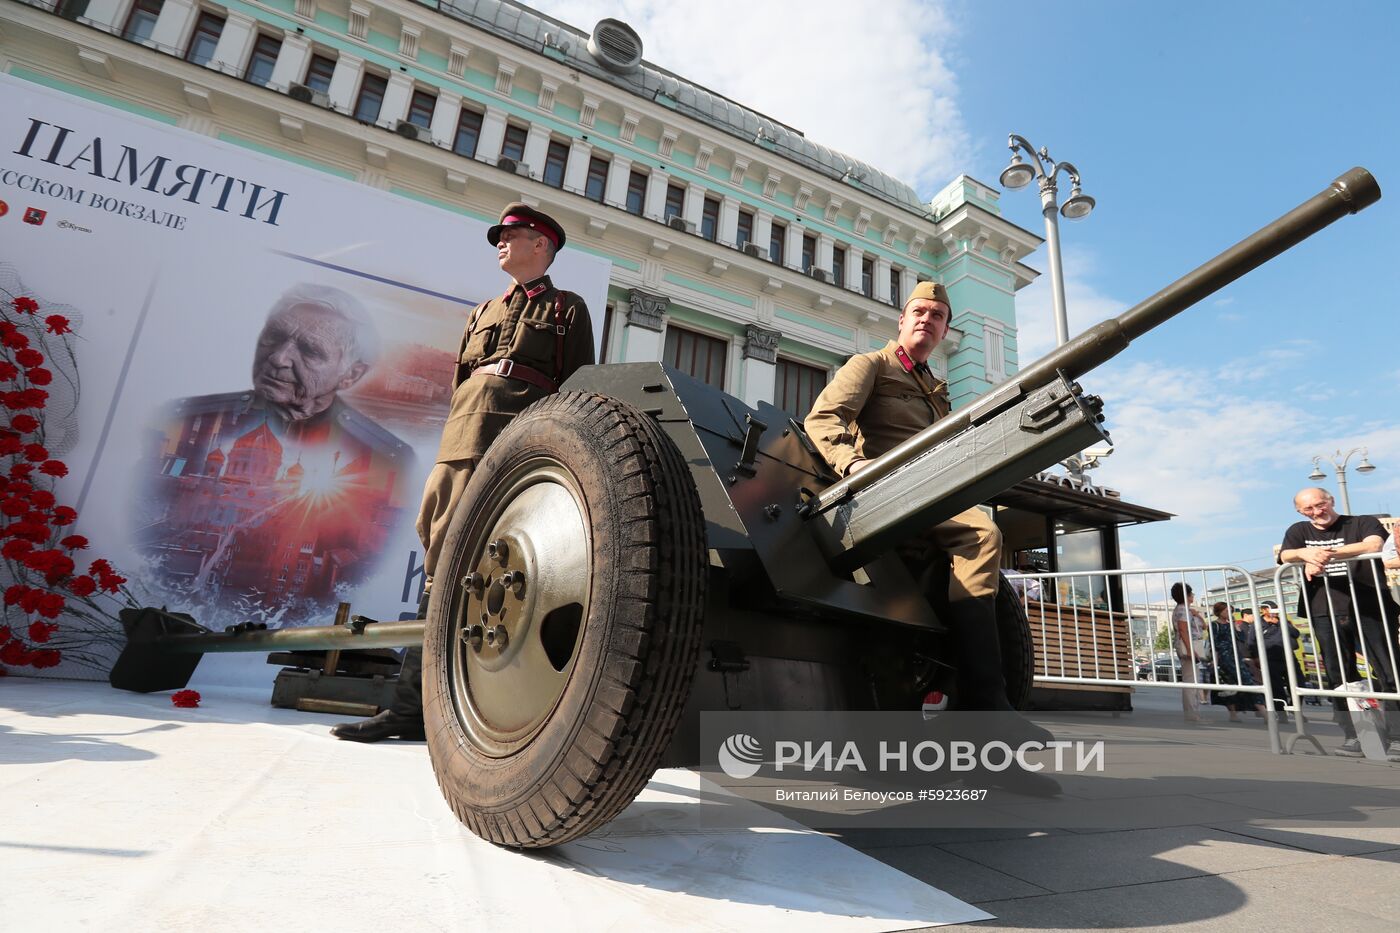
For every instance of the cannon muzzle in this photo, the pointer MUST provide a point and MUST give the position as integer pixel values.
(893, 496)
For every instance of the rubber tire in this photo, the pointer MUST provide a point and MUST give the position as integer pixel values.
(1017, 649)
(639, 641)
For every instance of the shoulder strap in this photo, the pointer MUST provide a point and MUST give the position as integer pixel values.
(559, 331)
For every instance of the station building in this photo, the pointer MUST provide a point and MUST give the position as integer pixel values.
(741, 252)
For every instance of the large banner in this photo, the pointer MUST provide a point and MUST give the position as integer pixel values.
(261, 360)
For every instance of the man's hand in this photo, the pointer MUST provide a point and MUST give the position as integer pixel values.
(856, 467)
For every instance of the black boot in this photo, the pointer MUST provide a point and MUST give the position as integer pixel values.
(981, 681)
(404, 717)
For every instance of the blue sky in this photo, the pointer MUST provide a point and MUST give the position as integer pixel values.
(1192, 124)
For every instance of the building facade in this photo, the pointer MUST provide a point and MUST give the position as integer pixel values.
(741, 252)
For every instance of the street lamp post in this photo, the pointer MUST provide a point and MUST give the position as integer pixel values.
(1339, 462)
(1019, 174)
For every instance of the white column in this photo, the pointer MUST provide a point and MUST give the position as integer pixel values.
(576, 172)
(728, 232)
(493, 133)
(824, 258)
(108, 13)
(795, 235)
(173, 25)
(694, 205)
(655, 206)
(536, 149)
(291, 61)
(763, 232)
(396, 97)
(643, 345)
(616, 191)
(853, 260)
(446, 114)
(882, 281)
(234, 43)
(345, 81)
(760, 381)
(906, 285)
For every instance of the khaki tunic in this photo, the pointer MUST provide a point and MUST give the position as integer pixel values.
(870, 407)
(519, 326)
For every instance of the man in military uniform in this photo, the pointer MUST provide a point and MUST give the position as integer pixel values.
(882, 398)
(516, 350)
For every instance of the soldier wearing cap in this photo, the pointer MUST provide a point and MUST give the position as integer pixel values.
(876, 401)
(517, 349)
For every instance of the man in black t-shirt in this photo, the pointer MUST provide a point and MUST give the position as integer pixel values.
(1348, 610)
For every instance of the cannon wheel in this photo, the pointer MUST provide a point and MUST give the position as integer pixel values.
(1017, 649)
(554, 679)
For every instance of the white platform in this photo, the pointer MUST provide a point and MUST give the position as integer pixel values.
(125, 813)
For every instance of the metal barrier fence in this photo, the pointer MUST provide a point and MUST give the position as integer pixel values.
(1094, 628)
(1090, 628)
(1354, 654)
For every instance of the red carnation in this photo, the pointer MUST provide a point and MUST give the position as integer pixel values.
(14, 340)
(8, 371)
(10, 445)
(41, 499)
(4, 634)
(39, 560)
(35, 452)
(29, 357)
(12, 400)
(82, 586)
(33, 398)
(39, 376)
(33, 531)
(63, 515)
(29, 602)
(14, 653)
(21, 470)
(40, 632)
(25, 305)
(60, 567)
(111, 583)
(100, 567)
(13, 506)
(54, 468)
(20, 488)
(74, 542)
(15, 549)
(13, 594)
(45, 657)
(185, 699)
(50, 605)
(58, 324)
(24, 423)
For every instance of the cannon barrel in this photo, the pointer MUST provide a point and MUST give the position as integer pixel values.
(1348, 194)
(311, 638)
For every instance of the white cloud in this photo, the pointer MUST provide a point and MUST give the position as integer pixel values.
(815, 66)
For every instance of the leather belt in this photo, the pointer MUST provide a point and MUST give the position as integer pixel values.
(509, 369)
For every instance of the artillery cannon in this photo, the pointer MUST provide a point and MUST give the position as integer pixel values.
(641, 547)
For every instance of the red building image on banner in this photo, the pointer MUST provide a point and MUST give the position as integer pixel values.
(269, 514)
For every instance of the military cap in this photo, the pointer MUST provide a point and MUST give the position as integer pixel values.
(523, 215)
(933, 291)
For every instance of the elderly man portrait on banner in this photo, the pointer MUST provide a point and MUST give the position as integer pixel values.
(262, 492)
(880, 399)
(1346, 601)
(517, 348)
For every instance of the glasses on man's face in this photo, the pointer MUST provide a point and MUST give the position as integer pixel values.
(1309, 509)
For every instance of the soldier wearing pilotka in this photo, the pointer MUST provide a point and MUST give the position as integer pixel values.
(875, 402)
(516, 350)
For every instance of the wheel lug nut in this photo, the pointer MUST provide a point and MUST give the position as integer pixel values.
(498, 551)
(515, 579)
(472, 637)
(501, 637)
(474, 583)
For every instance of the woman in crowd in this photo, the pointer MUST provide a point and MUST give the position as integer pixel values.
(1231, 665)
(1189, 640)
